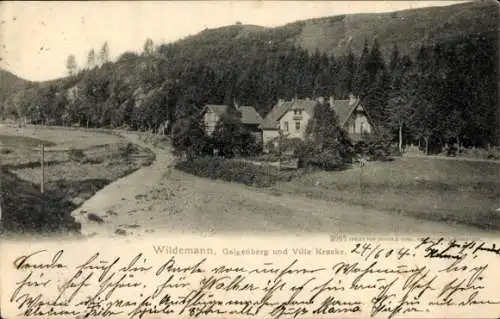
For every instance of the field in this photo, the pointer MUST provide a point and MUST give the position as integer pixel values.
(450, 191)
(77, 164)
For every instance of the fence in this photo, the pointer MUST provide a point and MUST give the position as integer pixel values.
(42, 149)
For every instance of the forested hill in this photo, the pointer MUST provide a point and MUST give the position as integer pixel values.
(432, 71)
(335, 35)
(10, 82)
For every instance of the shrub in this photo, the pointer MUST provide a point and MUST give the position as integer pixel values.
(233, 171)
(272, 157)
(394, 151)
(188, 137)
(285, 146)
(270, 146)
(5, 151)
(76, 155)
(311, 156)
(375, 147)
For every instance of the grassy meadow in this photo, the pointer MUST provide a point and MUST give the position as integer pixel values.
(79, 164)
(451, 191)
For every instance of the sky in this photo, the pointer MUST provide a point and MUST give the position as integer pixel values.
(37, 37)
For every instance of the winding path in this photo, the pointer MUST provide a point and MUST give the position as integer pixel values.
(158, 199)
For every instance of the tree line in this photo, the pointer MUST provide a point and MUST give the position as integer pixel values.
(444, 94)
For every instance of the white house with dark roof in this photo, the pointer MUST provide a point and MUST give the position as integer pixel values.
(291, 118)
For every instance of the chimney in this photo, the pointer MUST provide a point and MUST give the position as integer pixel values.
(280, 102)
(320, 100)
(352, 99)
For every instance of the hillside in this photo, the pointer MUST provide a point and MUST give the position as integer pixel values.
(408, 29)
(333, 35)
(369, 55)
(10, 82)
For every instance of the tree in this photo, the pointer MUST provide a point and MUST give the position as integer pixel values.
(399, 106)
(362, 75)
(395, 61)
(50, 109)
(148, 49)
(347, 70)
(327, 145)
(188, 137)
(91, 60)
(230, 137)
(402, 94)
(104, 54)
(327, 76)
(127, 56)
(71, 65)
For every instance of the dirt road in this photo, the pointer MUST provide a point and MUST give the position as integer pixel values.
(158, 199)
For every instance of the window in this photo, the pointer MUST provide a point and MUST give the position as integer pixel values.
(297, 125)
(286, 126)
(353, 127)
(361, 127)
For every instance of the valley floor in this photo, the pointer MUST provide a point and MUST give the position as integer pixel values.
(159, 199)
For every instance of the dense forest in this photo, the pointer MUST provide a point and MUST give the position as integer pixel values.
(446, 92)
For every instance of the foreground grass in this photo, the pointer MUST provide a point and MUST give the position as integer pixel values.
(449, 191)
(78, 139)
(70, 178)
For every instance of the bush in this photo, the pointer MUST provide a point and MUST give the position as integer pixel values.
(76, 155)
(394, 151)
(272, 157)
(288, 145)
(376, 148)
(328, 159)
(5, 151)
(233, 171)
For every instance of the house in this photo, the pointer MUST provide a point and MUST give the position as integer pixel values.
(291, 118)
(354, 118)
(249, 118)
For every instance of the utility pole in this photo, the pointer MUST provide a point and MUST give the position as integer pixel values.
(1, 199)
(42, 162)
(279, 152)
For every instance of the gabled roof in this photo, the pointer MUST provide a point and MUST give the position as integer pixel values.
(280, 109)
(343, 109)
(248, 114)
